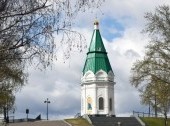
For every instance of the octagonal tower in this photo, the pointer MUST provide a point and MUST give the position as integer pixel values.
(97, 82)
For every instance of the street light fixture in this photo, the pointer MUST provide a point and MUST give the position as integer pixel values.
(47, 101)
(27, 112)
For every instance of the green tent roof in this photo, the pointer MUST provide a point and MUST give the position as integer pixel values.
(96, 42)
(97, 56)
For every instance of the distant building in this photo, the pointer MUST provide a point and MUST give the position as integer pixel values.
(97, 83)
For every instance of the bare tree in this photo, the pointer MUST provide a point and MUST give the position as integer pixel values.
(30, 25)
(158, 28)
(151, 75)
(27, 32)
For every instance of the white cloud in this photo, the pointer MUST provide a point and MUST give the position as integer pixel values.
(122, 53)
(62, 84)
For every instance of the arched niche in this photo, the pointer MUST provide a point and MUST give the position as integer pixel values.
(101, 73)
(89, 74)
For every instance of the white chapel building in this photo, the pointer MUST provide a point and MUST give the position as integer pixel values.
(97, 82)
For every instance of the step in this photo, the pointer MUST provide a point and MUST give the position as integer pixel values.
(113, 121)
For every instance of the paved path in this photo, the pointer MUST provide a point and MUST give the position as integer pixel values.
(41, 123)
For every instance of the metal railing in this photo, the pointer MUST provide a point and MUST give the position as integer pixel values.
(11, 119)
(78, 115)
(144, 114)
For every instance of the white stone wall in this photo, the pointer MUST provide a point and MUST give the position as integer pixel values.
(92, 88)
(88, 91)
(111, 95)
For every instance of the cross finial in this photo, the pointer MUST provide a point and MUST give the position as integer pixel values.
(96, 25)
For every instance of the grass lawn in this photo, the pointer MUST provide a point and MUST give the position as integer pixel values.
(78, 122)
(151, 121)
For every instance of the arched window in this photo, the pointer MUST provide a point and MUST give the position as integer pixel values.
(110, 104)
(101, 103)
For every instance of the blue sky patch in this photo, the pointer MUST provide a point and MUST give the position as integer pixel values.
(111, 28)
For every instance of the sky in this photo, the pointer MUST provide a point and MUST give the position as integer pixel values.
(120, 24)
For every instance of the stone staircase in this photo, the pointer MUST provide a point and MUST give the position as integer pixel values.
(114, 121)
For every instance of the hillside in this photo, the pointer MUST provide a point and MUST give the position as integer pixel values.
(78, 122)
(150, 121)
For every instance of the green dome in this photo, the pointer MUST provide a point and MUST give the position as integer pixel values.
(97, 56)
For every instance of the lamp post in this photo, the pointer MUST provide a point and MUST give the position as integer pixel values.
(27, 112)
(47, 101)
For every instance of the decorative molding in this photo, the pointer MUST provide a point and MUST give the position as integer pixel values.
(100, 76)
